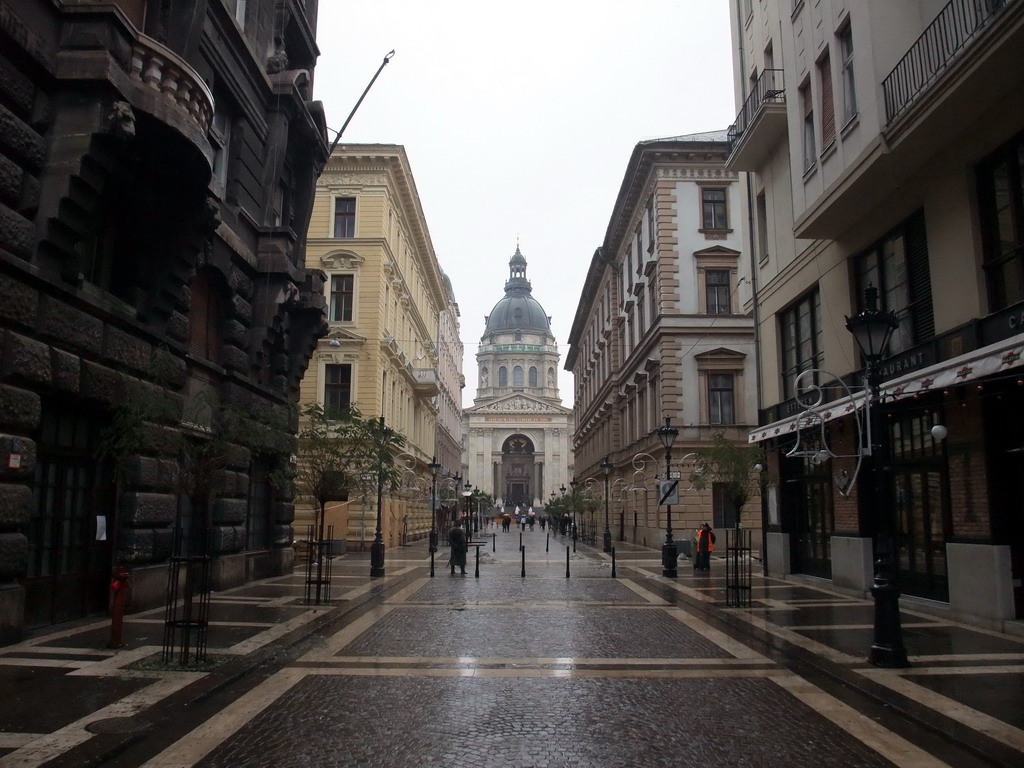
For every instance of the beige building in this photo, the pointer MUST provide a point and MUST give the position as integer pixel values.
(387, 302)
(451, 382)
(518, 431)
(882, 145)
(661, 332)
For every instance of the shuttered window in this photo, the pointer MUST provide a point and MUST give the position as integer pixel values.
(337, 388)
(828, 115)
(810, 152)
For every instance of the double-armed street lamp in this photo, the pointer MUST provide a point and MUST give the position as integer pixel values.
(434, 468)
(669, 553)
(607, 467)
(872, 328)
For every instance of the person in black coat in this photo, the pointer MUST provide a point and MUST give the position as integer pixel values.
(460, 546)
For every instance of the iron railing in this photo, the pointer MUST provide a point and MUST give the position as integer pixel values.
(769, 88)
(949, 33)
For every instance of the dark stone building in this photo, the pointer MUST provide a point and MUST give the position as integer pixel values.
(157, 168)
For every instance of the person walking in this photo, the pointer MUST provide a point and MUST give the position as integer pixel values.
(705, 546)
(460, 546)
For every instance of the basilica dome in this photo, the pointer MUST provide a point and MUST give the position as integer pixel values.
(518, 310)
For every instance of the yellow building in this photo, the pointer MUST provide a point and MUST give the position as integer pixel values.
(385, 294)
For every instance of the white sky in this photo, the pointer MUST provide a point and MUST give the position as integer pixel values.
(519, 119)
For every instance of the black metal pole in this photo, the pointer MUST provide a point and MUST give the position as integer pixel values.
(669, 552)
(351, 114)
(887, 649)
(476, 572)
(613, 562)
(607, 529)
(431, 563)
(567, 562)
(522, 551)
(377, 548)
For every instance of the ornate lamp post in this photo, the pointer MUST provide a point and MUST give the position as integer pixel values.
(669, 553)
(476, 509)
(434, 468)
(467, 491)
(872, 328)
(607, 467)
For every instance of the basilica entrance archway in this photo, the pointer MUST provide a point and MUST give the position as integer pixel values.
(518, 470)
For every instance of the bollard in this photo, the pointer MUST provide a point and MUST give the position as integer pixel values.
(547, 543)
(613, 562)
(119, 590)
(520, 539)
(523, 551)
(476, 573)
(431, 563)
(567, 562)
(494, 542)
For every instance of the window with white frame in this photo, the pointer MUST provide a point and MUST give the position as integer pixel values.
(714, 213)
(849, 84)
(716, 284)
(721, 398)
(809, 145)
(337, 388)
(344, 217)
(342, 297)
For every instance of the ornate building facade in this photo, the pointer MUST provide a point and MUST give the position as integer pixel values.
(388, 305)
(158, 165)
(518, 432)
(661, 332)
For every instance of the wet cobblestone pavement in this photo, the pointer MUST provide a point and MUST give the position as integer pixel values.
(506, 670)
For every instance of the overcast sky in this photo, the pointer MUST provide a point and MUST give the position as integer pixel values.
(519, 119)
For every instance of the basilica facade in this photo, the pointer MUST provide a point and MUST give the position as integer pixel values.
(518, 433)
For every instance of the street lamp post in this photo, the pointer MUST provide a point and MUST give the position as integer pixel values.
(872, 328)
(572, 502)
(434, 468)
(607, 467)
(476, 509)
(377, 548)
(669, 553)
(458, 484)
(467, 491)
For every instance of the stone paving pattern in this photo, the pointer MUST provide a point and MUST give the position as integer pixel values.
(501, 670)
(541, 722)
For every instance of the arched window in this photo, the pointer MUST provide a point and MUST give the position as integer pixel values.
(503, 376)
(533, 376)
(517, 376)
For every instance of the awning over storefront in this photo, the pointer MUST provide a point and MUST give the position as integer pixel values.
(987, 361)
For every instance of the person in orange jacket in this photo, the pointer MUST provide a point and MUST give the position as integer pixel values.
(705, 546)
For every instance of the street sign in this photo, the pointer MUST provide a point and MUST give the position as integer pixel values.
(675, 474)
(668, 492)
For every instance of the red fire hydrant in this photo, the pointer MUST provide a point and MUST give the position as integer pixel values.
(118, 597)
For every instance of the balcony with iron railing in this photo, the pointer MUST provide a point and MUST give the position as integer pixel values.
(947, 38)
(760, 124)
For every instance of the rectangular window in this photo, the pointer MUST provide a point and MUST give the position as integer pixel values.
(257, 518)
(849, 85)
(1001, 208)
(639, 252)
(716, 283)
(809, 148)
(650, 225)
(641, 312)
(337, 388)
(898, 267)
(342, 297)
(828, 115)
(713, 205)
(801, 340)
(721, 402)
(344, 217)
(762, 227)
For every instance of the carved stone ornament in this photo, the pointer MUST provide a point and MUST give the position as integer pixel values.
(341, 261)
(120, 121)
(516, 405)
